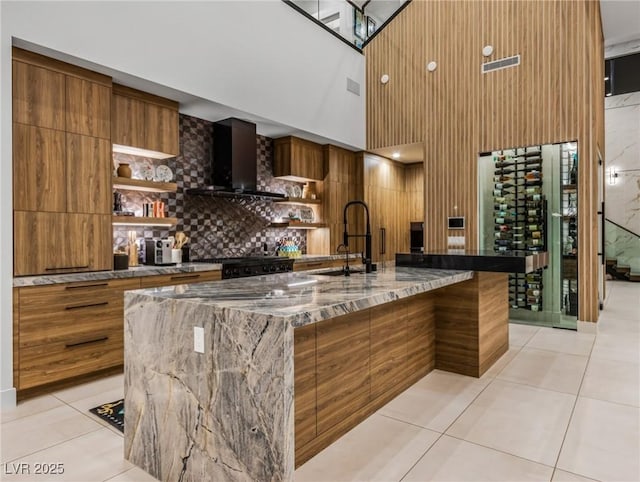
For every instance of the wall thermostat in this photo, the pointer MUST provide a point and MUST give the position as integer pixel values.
(456, 222)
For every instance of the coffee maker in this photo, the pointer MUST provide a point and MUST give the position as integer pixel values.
(157, 252)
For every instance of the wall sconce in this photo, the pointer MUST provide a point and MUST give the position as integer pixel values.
(487, 50)
(613, 176)
(431, 66)
(384, 79)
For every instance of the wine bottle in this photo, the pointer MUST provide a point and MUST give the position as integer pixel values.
(573, 174)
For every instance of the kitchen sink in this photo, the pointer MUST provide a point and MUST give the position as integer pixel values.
(340, 272)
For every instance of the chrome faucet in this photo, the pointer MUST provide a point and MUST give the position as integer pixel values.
(367, 236)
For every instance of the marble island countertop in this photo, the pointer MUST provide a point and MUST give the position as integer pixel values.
(308, 297)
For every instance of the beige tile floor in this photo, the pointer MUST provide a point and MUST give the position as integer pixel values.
(558, 406)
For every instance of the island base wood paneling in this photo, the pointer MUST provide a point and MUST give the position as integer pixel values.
(472, 324)
(362, 361)
(554, 95)
(348, 367)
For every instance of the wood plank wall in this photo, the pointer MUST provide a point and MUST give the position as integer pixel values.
(554, 95)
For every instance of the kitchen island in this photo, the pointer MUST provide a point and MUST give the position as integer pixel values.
(340, 347)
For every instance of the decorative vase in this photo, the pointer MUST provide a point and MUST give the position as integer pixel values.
(124, 170)
(309, 190)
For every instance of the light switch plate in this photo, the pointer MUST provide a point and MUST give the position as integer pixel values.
(198, 339)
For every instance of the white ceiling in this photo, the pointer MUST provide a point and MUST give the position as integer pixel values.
(620, 20)
(620, 23)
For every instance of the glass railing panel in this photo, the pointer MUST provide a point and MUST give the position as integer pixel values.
(622, 245)
(355, 22)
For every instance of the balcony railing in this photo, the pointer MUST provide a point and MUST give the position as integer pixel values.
(354, 22)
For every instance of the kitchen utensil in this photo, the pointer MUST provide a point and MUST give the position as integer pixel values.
(181, 239)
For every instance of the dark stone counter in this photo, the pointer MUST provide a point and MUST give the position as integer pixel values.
(470, 260)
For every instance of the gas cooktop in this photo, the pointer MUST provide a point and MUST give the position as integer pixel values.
(241, 267)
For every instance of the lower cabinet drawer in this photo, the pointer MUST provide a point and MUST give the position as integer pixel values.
(55, 313)
(78, 355)
(179, 278)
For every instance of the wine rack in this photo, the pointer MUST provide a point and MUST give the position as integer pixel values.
(520, 210)
(569, 233)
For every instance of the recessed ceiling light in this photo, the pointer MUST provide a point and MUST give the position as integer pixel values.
(396, 155)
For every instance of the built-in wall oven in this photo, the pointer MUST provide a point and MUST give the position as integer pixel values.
(416, 231)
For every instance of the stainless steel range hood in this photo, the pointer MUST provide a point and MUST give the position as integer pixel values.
(234, 164)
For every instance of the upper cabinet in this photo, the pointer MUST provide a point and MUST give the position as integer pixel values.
(61, 166)
(88, 108)
(38, 96)
(144, 122)
(298, 159)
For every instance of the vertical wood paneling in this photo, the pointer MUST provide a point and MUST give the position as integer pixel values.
(555, 95)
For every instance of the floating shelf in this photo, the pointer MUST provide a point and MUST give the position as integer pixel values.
(298, 200)
(140, 185)
(569, 187)
(297, 225)
(140, 221)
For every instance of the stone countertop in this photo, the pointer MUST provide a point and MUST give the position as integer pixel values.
(140, 271)
(305, 297)
(134, 272)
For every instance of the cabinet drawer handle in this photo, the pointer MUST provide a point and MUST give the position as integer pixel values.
(97, 340)
(186, 276)
(77, 307)
(383, 240)
(66, 267)
(95, 285)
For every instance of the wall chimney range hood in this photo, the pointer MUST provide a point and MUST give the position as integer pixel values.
(234, 163)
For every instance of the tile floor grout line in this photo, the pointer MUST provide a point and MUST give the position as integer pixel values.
(500, 450)
(609, 401)
(408, 423)
(54, 445)
(421, 457)
(575, 403)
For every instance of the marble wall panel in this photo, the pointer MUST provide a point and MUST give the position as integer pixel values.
(622, 135)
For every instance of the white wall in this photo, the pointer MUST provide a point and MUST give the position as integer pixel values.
(622, 152)
(261, 57)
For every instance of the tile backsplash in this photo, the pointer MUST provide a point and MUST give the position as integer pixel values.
(217, 227)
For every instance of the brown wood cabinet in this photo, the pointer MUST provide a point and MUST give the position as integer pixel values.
(343, 183)
(329, 263)
(39, 169)
(38, 96)
(347, 367)
(88, 175)
(62, 167)
(342, 367)
(298, 159)
(66, 330)
(385, 193)
(179, 278)
(305, 383)
(162, 129)
(88, 108)
(61, 242)
(70, 329)
(145, 121)
(388, 346)
(127, 122)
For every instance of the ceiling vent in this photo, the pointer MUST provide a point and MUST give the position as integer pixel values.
(501, 64)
